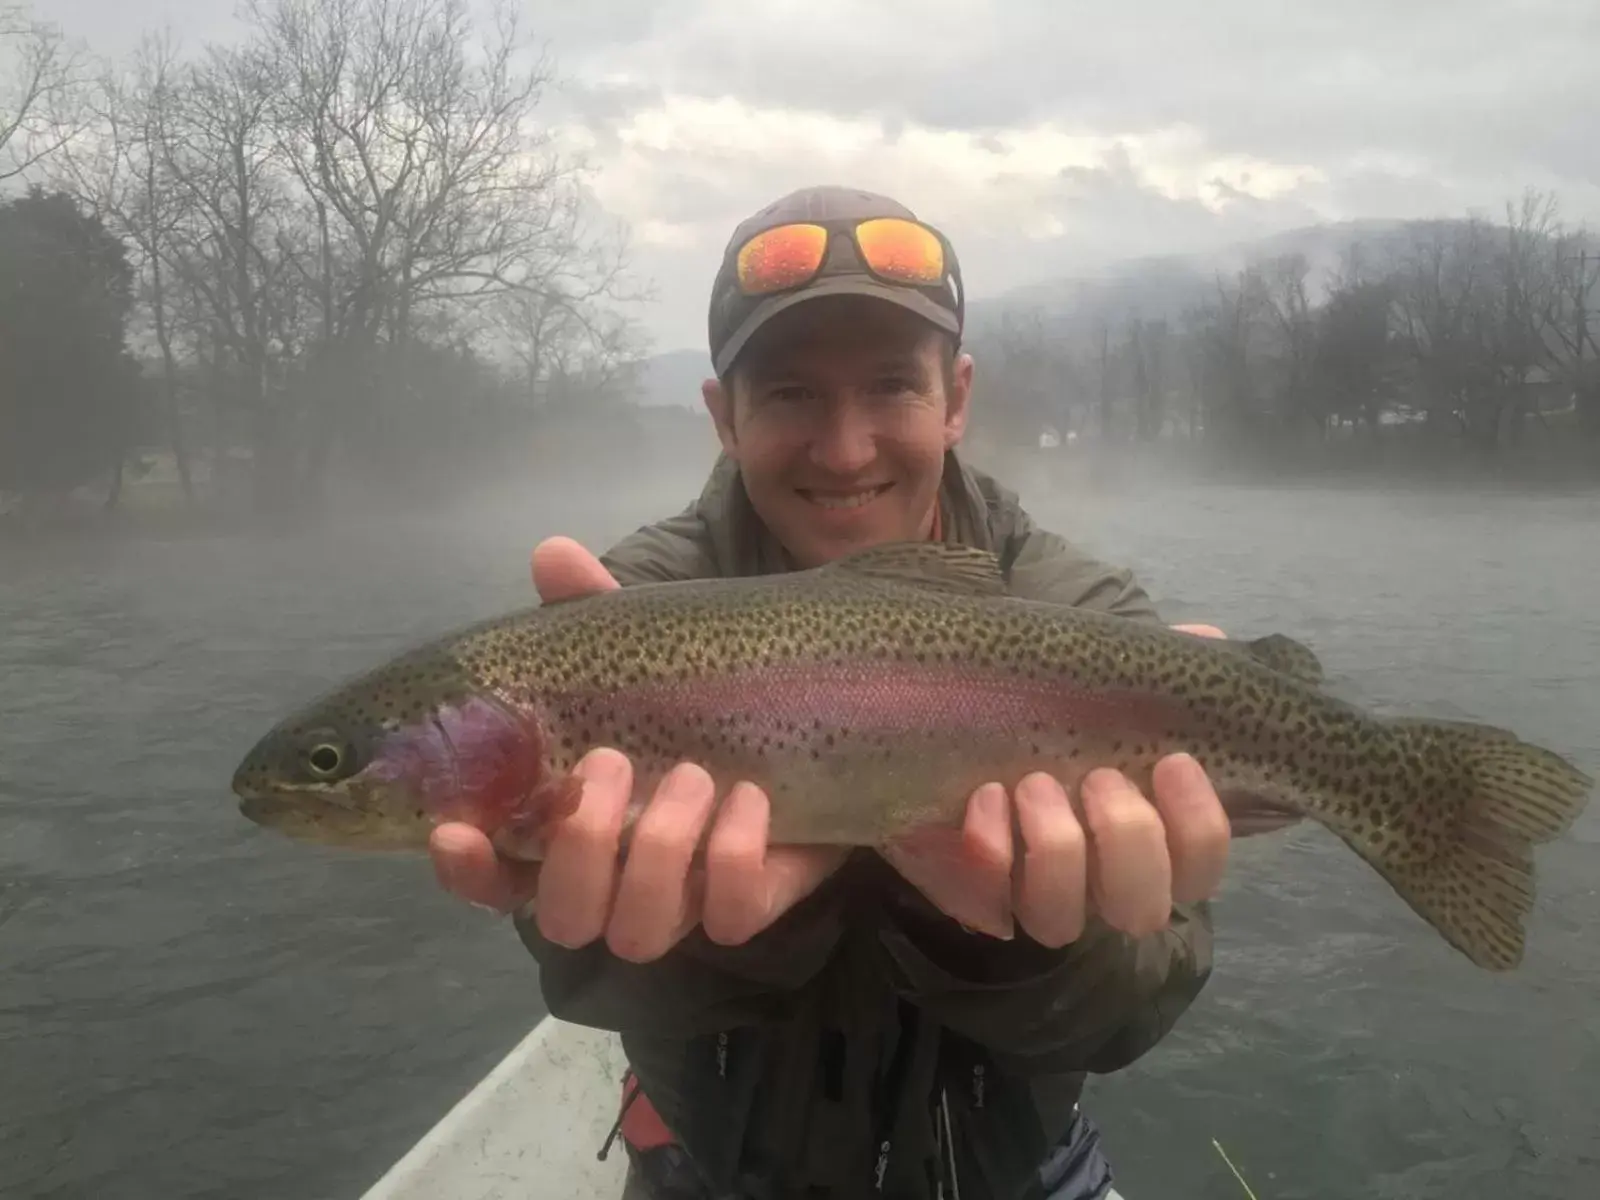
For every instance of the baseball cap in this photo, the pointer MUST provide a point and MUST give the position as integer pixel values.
(736, 316)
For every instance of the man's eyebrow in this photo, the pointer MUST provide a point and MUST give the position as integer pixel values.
(903, 361)
(770, 372)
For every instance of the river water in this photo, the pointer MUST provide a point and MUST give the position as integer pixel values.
(190, 1007)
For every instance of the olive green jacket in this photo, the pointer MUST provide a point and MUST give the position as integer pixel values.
(828, 1055)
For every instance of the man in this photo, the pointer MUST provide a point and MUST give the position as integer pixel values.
(805, 1022)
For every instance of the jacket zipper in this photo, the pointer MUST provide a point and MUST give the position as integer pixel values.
(947, 1144)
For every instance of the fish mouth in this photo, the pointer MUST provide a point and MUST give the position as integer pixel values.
(332, 815)
(286, 806)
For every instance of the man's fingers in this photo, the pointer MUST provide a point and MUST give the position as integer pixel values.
(986, 831)
(649, 915)
(794, 872)
(580, 868)
(1198, 830)
(1132, 876)
(564, 570)
(466, 865)
(738, 901)
(1051, 888)
(749, 884)
(1210, 631)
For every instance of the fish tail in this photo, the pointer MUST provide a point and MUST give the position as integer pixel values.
(1475, 883)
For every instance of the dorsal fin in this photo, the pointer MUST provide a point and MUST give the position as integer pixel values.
(962, 569)
(1285, 655)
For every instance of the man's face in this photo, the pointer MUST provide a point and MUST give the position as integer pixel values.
(841, 413)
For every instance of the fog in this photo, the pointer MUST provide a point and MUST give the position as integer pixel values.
(1296, 317)
(245, 267)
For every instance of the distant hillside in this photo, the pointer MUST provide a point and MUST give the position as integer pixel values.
(673, 378)
(1163, 286)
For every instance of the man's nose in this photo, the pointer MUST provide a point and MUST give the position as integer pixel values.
(844, 440)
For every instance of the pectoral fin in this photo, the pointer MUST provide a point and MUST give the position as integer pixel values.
(1251, 816)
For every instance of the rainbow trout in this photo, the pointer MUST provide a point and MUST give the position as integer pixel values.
(871, 696)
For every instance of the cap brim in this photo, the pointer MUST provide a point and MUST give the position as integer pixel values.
(837, 285)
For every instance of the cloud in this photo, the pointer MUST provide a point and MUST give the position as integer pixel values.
(1021, 204)
(1050, 137)
(1468, 78)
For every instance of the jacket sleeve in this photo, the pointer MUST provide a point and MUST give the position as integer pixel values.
(668, 551)
(1095, 1005)
(1045, 566)
(700, 986)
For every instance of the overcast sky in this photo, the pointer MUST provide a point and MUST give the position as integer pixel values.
(1045, 136)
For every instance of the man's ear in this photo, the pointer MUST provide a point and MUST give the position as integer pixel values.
(957, 402)
(719, 403)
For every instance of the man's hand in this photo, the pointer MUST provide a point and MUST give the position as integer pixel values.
(581, 893)
(1116, 855)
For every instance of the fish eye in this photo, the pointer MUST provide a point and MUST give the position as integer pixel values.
(325, 758)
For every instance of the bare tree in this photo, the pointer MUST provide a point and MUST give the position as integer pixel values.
(1224, 337)
(1286, 305)
(220, 152)
(1353, 365)
(1473, 304)
(1525, 295)
(120, 172)
(1439, 286)
(412, 151)
(1469, 322)
(421, 156)
(560, 345)
(39, 76)
(1568, 325)
(1147, 353)
(1027, 366)
(1105, 364)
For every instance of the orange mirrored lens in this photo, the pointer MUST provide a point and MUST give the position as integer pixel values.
(901, 251)
(781, 258)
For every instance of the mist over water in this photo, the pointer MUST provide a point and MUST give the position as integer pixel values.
(272, 337)
(191, 1006)
(1341, 1050)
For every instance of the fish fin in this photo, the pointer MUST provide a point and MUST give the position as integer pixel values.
(1517, 789)
(962, 569)
(1253, 816)
(1283, 654)
(526, 832)
(1478, 888)
(929, 857)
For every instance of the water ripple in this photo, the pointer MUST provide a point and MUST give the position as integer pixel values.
(199, 1009)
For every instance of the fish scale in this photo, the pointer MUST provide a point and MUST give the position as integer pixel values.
(621, 666)
(870, 698)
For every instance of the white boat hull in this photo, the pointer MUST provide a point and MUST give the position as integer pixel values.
(529, 1130)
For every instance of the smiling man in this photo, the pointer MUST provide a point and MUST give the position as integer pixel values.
(839, 418)
(813, 1023)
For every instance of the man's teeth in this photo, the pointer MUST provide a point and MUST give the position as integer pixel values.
(853, 500)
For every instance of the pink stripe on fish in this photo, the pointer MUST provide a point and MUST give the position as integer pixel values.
(897, 698)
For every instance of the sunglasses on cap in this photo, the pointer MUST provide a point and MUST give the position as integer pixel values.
(893, 250)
